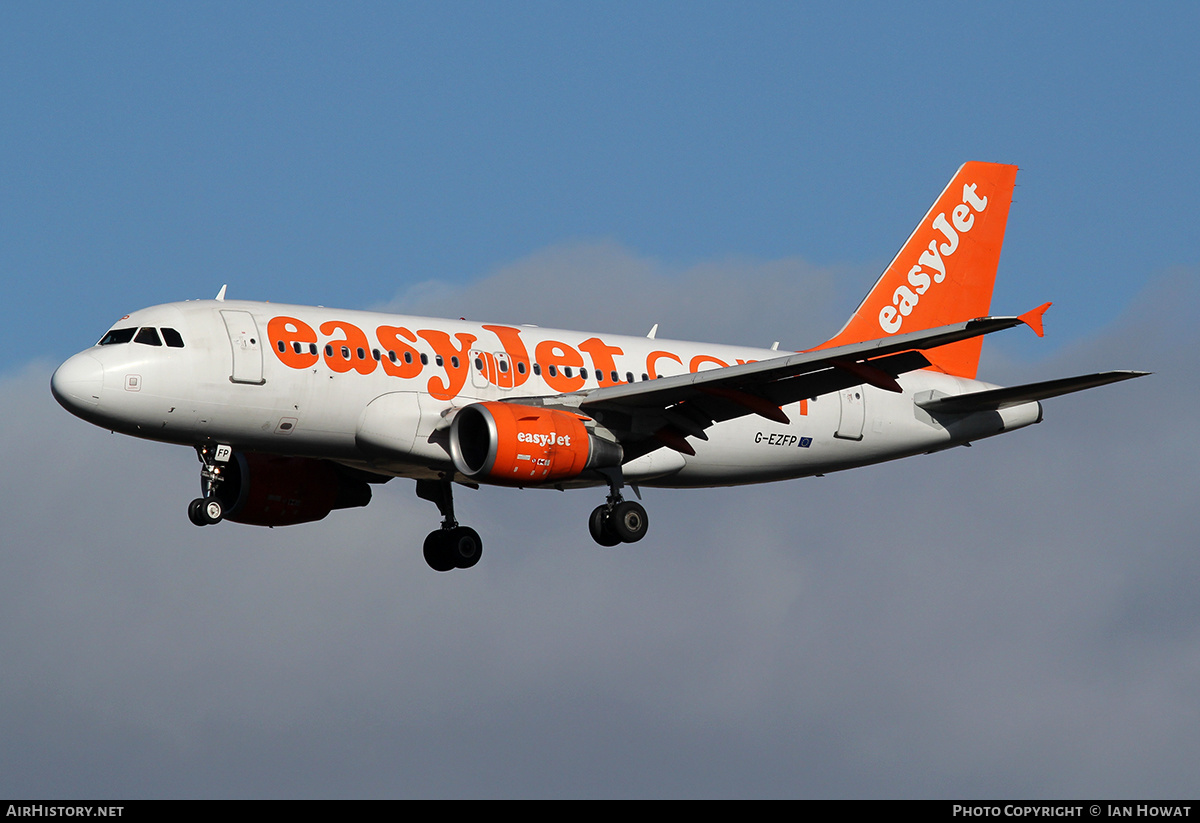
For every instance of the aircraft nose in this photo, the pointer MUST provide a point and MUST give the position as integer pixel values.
(76, 383)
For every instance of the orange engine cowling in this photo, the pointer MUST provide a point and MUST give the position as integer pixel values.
(526, 445)
(266, 490)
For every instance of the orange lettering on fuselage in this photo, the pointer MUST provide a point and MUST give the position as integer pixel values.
(293, 341)
(285, 333)
(554, 357)
(514, 347)
(700, 359)
(352, 352)
(408, 359)
(455, 361)
(652, 362)
(602, 358)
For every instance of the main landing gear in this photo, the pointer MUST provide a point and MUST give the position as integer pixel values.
(452, 546)
(618, 520)
(207, 510)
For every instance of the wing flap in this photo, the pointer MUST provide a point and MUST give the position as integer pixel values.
(994, 399)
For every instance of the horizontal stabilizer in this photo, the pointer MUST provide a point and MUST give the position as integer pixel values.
(994, 399)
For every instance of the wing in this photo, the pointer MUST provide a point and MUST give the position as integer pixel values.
(994, 399)
(664, 412)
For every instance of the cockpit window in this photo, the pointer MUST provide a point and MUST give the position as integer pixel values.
(117, 336)
(148, 336)
(172, 338)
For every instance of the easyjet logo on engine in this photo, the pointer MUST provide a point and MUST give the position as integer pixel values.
(544, 440)
(931, 266)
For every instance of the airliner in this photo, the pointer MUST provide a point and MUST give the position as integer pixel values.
(295, 411)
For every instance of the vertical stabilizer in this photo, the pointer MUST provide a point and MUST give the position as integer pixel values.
(945, 272)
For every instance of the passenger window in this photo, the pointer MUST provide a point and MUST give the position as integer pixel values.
(567, 371)
(537, 369)
(148, 337)
(117, 336)
(616, 378)
(454, 362)
(504, 367)
(478, 364)
(362, 355)
(172, 338)
(553, 371)
(424, 359)
(521, 366)
(628, 377)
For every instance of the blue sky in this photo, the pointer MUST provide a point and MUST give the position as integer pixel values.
(338, 154)
(1016, 619)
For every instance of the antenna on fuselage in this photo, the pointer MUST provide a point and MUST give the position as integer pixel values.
(221, 293)
(653, 331)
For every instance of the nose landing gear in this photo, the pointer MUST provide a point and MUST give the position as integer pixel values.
(207, 510)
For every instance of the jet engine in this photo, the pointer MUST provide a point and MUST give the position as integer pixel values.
(526, 445)
(267, 490)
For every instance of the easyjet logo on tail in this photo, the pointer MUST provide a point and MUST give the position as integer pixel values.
(945, 271)
(931, 266)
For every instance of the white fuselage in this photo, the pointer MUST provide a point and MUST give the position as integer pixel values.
(374, 391)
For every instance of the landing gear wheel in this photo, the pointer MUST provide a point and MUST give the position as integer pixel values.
(452, 546)
(599, 526)
(465, 547)
(437, 551)
(196, 512)
(628, 521)
(212, 510)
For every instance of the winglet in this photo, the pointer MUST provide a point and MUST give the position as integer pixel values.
(221, 293)
(1033, 318)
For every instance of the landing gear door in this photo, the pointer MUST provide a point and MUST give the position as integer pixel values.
(247, 351)
(854, 414)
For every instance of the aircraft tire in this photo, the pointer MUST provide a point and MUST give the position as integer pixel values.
(600, 527)
(437, 551)
(465, 547)
(628, 521)
(212, 510)
(196, 512)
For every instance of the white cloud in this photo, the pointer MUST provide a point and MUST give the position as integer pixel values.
(601, 286)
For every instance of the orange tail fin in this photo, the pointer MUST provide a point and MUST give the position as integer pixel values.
(945, 272)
